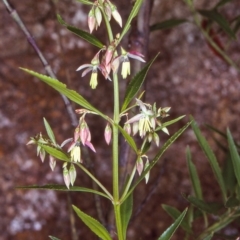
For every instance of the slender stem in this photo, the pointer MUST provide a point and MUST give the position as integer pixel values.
(117, 213)
(95, 180)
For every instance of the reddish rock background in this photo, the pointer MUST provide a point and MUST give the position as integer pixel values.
(187, 76)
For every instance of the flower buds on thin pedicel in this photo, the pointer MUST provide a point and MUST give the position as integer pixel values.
(127, 128)
(98, 16)
(85, 134)
(107, 9)
(75, 152)
(148, 173)
(108, 134)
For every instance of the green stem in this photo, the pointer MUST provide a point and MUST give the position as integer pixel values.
(95, 180)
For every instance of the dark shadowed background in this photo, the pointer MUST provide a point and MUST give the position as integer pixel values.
(187, 76)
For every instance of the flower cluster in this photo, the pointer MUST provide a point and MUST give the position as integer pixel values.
(95, 14)
(147, 120)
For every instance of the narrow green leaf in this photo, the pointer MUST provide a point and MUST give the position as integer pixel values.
(54, 238)
(49, 131)
(133, 14)
(126, 213)
(232, 202)
(170, 23)
(128, 138)
(82, 34)
(221, 3)
(93, 224)
(211, 158)
(61, 88)
(220, 20)
(171, 230)
(165, 124)
(194, 175)
(58, 154)
(203, 206)
(169, 142)
(58, 187)
(234, 156)
(85, 2)
(136, 83)
(175, 213)
(209, 237)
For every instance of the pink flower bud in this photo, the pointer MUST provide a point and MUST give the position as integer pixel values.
(85, 134)
(108, 134)
(139, 166)
(91, 20)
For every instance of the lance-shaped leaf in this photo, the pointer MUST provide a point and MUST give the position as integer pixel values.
(128, 138)
(58, 187)
(175, 213)
(62, 88)
(136, 83)
(220, 20)
(169, 142)
(203, 206)
(133, 14)
(93, 224)
(211, 158)
(85, 2)
(165, 124)
(171, 230)
(194, 176)
(126, 213)
(167, 24)
(49, 131)
(82, 34)
(234, 156)
(54, 238)
(56, 153)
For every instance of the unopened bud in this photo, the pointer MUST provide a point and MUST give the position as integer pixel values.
(108, 134)
(52, 162)
(127, 128)
(66, 177)
(116, 15)
(98, 16)
(91, 20)
(72, 174)
(156, 139)
(139, 166)
(148, 173)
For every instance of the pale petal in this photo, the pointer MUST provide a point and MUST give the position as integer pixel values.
(84, 66)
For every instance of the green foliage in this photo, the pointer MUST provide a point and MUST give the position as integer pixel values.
(80, 33)
(49, 131)
(167, 24)
(93, 224)
(168, 233)
(220, 20)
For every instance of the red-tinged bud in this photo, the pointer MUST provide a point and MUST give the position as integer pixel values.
(42, 154)
(81, 111)
(139, 166)
(85, 134)
(92, 20)
(52, 162)
(108, 134)
(116, 14)
(107, 9)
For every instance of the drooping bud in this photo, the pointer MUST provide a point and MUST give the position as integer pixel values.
(156, 138)
(107, 9)
(135, 127)
(139, 166)
(42, 153)
(148, 173)
(52, 162)
(66, 176)
(127, 128)
(76, 153)
(116, 14)
(108, 134)
(98, 16)
(72, 174)
(125, 68)
(76, 134)
(85, 134)
(91, 20)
